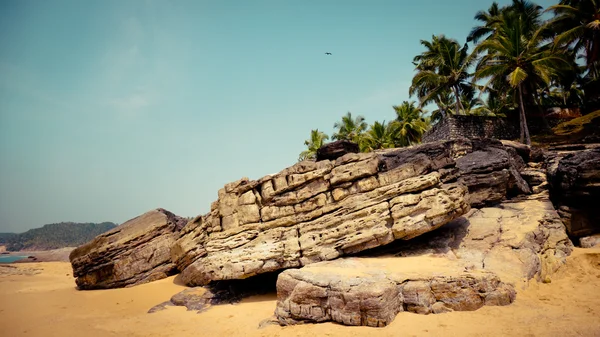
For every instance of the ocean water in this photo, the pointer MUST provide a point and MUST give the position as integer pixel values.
(9, 259)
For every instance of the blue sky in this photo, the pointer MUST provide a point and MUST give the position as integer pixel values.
(111, 108)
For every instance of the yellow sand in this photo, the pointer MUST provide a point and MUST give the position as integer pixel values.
(47, 304)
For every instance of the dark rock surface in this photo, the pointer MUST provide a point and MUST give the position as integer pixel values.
(334, 150)
(574, 178)
(491, 172)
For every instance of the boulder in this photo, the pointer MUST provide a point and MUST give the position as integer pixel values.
(491, 172)
(370, 291)
(136, 252)
(590, 241)
(472, 261)
(574, 178)
(319, 211)
(334, 150)
(521, 149)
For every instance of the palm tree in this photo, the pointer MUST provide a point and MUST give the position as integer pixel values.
(442, 67)
(577, 25)
(317, 139)
(379, 136)
(494, 105)
(489, 19)
(350, 128)
(410, 124)
(444, 101)
(518, 56)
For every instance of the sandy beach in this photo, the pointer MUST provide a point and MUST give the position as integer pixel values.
(40, 299)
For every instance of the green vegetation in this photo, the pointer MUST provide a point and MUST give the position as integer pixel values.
(53, 236)
(512, 63)
(573, 131)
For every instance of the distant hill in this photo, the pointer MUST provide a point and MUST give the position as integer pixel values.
(5, 237)
(53, 236)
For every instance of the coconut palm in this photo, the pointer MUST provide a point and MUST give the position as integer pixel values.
(410, 124)
(577, 25)
(442, 67)
(519, 57)
(493, 106)
(444, 102)
(489, 19)
(379, 136)
(350, 128)
(317, 139)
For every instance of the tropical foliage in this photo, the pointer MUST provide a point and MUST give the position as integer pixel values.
(406, 129)
(349, 128)
(513, 64)
(317, 139)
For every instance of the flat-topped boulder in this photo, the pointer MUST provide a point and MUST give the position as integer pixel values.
(478, 259)
(136, 252)
(372, 291)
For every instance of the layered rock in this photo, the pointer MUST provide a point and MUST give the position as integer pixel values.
(371, 292)
(334, 150)
(574, 177)
(472, 261)
(318, 211)
(491, 172)
(136, 252)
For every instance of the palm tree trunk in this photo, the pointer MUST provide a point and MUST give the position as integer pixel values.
(524, 130)
(459, 106)
(537, 100)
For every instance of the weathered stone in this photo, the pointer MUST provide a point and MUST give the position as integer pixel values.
(574, 178)
(522, 150)
(138, 251)
(337, 209)
(473, 261)
(370, 292)
(318, 211)
(334, 150)
(534, 177)
(490, 172)
(518, 240)
(590, 241)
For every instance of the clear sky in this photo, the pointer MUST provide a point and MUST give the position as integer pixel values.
(111, 108)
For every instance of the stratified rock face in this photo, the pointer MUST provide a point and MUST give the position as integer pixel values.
(334, 150)
(574, 177)
(472, 261)
(136, 252)
(491, 171)
(318, 211)
(517, 240)
(370, 292)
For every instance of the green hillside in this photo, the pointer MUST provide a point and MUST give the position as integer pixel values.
(52, 236)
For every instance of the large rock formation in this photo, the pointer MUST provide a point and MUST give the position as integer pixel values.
(574, 177)
(470, 262)
(318, 211)
(370, 292)
(138, 251)
(491, 172)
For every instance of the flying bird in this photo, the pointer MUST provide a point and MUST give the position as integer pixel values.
(327, 53)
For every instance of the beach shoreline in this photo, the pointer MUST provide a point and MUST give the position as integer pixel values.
(41, 299)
